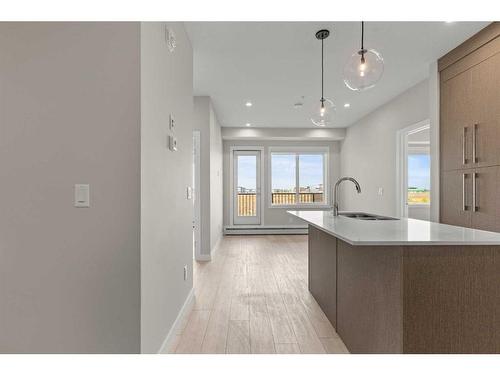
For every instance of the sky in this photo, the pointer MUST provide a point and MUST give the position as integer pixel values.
(283, 167)
(311, 171)
(419, 171)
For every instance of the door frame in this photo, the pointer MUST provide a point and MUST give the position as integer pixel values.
(232, 149)
(402, 164)
(196, 194)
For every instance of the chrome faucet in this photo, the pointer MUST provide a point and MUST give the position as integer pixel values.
(335, 192)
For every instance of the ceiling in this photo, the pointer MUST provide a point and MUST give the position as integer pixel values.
(275, 64)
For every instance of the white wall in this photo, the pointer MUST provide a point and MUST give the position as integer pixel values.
(69, 113)
(205, 120)
(280, 134)
(216, 216)
(275, 216)
(166, 214)
(368, 152)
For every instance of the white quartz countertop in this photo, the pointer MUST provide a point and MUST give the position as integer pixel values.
(400, 232)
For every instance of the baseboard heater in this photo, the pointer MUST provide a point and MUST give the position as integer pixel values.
(264, 230)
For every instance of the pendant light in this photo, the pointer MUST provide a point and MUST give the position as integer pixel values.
(364, 68)
(322, 112)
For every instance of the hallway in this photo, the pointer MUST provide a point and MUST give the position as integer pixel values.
(253, 298)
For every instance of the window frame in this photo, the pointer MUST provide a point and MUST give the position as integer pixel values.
(316, 150)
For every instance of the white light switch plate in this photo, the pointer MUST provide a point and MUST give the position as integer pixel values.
(189, 192)
(380, 191)
(82, 195)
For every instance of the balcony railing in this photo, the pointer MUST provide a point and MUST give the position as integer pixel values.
(247, 202)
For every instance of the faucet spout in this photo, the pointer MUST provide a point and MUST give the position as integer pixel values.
(335, 192)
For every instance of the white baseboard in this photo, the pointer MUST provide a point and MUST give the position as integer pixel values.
(265, 230)
(209, 257)
(203, 258)
(185, 310)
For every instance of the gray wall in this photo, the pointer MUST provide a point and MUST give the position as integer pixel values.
(69, 113)
(275, 216)
(206, 122)
(368, 152)
(166, 214)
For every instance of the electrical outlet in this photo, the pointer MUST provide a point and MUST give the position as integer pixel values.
(172, 143)
(185, 272)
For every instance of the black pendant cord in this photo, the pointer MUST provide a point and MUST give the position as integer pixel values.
(322, 79)
(362, 35)
(362, 52)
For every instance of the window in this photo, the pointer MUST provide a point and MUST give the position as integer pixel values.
(419, 178)
(298, 178)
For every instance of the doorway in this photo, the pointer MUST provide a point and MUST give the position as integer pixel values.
(414, 198)
(247, 201)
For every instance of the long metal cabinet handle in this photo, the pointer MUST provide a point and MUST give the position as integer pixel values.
(474, 131)
(464, 200)
(464, 133)
(475, 207)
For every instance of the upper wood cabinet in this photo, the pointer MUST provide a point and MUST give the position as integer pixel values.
(470, 102)
(456, 122)
(470, 132)
(485, 96)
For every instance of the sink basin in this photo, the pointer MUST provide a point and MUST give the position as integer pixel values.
(365, 216)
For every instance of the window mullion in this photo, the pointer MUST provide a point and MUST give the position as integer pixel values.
(297, 193)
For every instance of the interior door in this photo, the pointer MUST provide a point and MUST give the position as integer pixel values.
(246, 187)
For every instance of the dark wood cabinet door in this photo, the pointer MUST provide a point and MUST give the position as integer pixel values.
(456, 122)
(456, 197)
(485, 96)
(485, 198)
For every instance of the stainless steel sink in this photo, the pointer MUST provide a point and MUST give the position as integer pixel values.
(365, 216)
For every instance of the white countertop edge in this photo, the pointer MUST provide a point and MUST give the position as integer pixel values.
(461, 242)
(402, 243)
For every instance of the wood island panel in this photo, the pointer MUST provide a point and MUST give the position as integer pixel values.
(408, 299)
(451, 299)
(322, 271)
(369, 300)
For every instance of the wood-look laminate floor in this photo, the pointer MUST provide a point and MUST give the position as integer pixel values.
(253, 298)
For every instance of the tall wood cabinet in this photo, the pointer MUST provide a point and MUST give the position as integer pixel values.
(470, 132)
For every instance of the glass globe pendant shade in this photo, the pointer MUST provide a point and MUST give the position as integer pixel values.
(323, 113)
(363, 70)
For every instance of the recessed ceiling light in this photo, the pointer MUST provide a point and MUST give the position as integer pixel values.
(248, 104)
(347, 105)
(248, 124)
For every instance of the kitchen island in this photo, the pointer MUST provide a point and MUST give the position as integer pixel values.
(405, 286)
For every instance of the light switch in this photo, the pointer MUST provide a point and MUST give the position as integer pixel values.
(380, 191)
(189, 192)
(82, 195)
